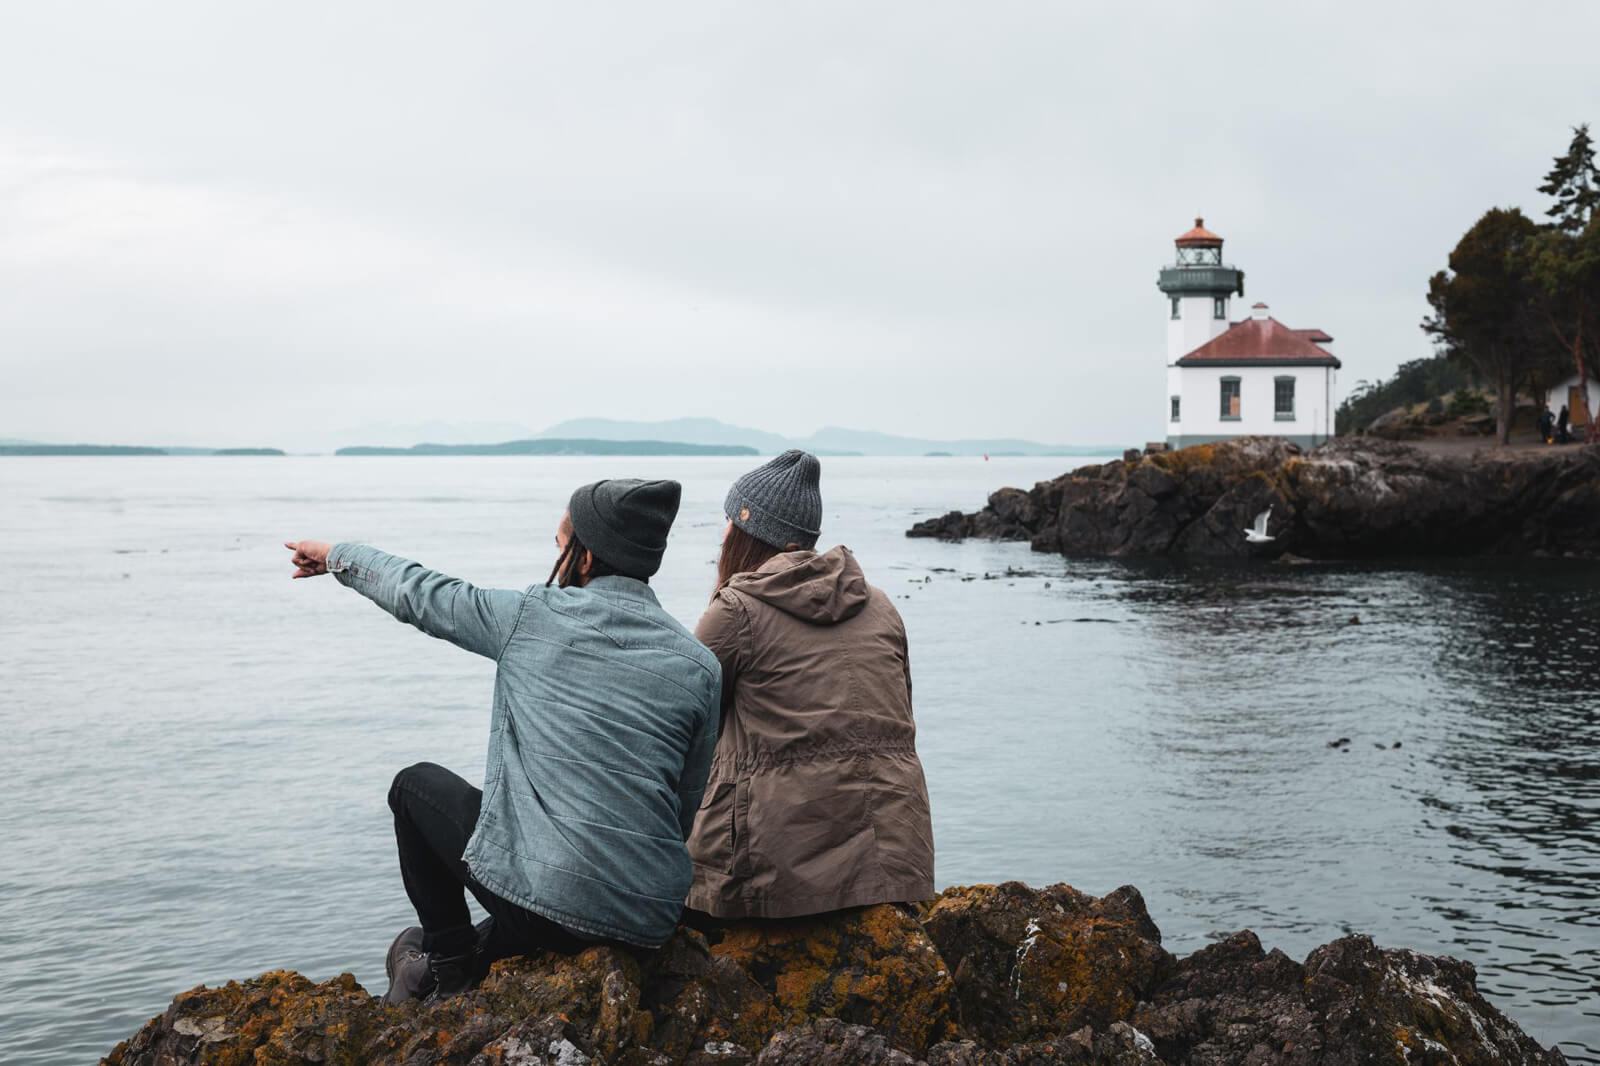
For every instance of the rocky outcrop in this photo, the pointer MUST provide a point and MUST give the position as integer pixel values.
(1349, 498)
(991, 975)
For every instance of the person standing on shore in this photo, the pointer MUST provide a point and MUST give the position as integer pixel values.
(816, 799)
(600, 738)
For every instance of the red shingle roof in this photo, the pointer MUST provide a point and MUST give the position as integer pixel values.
(1263, 341)
(1315, 335)
(1199, 237)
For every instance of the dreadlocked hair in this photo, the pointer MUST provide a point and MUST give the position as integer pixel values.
(568, 570)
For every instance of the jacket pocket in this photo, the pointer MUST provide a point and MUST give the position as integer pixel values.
(711, 842)
(741, 829)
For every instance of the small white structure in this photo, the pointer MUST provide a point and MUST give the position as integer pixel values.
(1580, 408)
(1235, 379)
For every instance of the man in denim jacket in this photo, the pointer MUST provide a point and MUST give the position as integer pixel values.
(605, 717)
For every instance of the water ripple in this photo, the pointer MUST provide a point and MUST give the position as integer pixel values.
(198, 749)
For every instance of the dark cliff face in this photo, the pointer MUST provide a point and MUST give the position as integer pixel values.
(992, 975)
(1349, 498)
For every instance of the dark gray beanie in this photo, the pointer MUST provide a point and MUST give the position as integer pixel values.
(625, 521)
(780, 503)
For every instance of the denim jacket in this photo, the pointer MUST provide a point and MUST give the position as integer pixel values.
(605, 718)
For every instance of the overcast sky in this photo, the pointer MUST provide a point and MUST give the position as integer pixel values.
(276, 224)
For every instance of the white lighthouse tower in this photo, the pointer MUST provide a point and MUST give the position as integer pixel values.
(1198, 288)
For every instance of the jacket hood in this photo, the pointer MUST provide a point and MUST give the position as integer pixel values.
(821, 589)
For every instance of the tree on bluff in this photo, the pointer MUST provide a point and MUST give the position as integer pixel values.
(1564, 261)
(1574, 184)
(1486, 309)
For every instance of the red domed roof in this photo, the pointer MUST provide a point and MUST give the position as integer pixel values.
(1199, 237)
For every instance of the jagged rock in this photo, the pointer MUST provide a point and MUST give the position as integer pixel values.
(952, 526)
(1011, 515)
(830, 1042)
(279, 1017)
(1119, 1045)
(698, 1000)
(876, 966)
(1349, 498)
(1010, 512)
(1350, 1003)
(1035, 964)
(1047, 977)
(548, 1041)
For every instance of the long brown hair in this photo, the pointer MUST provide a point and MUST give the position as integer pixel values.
(742, 553)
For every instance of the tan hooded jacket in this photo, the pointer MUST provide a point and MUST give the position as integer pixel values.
(816, 799)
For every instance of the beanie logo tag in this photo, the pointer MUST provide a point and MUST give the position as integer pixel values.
(744, 514)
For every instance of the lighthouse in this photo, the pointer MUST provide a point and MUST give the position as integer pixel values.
(1198, 287)
(1254, 377)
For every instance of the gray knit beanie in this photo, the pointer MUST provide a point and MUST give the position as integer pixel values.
(625, 522)
(780, 503)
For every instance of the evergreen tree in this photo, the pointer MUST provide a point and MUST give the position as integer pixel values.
(1565, 262)
(1574, 184)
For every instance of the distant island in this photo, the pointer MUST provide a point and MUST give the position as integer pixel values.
(125, 449)
(598, 436)
(75, 449)
(560, 446)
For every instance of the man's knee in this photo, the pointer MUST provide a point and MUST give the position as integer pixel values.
(413, 779)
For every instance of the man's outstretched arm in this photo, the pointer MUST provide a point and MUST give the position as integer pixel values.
(479, 620)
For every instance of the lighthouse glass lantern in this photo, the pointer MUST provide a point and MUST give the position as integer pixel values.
(1198, 285)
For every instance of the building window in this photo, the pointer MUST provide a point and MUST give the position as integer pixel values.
(1283, 399)
(1174, 307)
(1219, 307)
(1175, 408)
(1230, 399)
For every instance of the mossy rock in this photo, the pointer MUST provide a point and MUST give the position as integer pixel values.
(874, 966)
(1068, 959)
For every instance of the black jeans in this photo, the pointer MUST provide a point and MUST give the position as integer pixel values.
(434, 814)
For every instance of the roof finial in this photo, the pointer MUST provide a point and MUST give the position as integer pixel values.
(1199, 223)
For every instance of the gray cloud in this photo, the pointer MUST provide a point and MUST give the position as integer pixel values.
(264, 227)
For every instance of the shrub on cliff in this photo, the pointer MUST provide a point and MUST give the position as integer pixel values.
(1412, 383)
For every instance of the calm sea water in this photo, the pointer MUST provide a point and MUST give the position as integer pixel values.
(197, 749)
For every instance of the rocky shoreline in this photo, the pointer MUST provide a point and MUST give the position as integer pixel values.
(1348, 498)
(988, 975)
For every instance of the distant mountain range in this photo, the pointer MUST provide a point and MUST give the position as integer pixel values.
(830, 440)
(559, 446)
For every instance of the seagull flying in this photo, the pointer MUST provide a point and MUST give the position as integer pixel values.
(1257, 534)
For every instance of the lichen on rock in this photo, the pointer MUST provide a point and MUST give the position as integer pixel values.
(1067, 959)
(986, 975)
(875, 966)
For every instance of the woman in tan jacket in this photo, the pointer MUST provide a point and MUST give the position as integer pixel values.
(816, 799)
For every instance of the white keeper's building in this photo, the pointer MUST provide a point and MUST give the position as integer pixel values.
(1234, 379)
